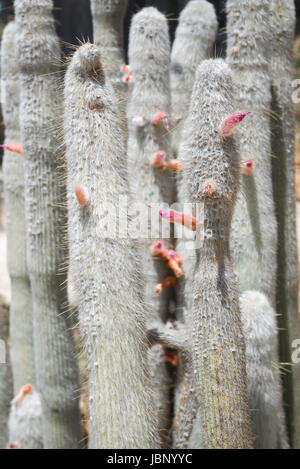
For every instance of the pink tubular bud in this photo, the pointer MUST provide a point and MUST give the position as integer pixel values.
(231, 122)
(81, 195)
(26, 389)
(15, 147)
(128, 79)
(174, 165)
(156, 248)
(161, 117)
(248, 166)
(173, 216)
(158, 159)
(168, 282)
(126, 69)
(13, 446)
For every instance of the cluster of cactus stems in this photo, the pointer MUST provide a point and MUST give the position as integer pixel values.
(282, 25)
(171, 126)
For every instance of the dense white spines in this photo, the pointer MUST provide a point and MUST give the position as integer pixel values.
(282, 27)
(195, 36)
(254, 230)
(264, 387)
(25, 423)
(218, 345)
(40, 100)
(254, 238)
(148, 111)
(111, 312)
(21, 328)
(108, 16)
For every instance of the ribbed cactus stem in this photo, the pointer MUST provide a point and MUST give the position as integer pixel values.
(21, 326)
(195, 36)
(111, 313)
(194, 40)
(254, 237)
(148, 111)
(40, 101)
(108, 16)
(254, 230)
(218, 343)
(264, 385)
(282, 27)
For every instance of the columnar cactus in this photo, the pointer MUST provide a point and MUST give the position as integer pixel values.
(147, 112)
(264, 386)
(282, 26)
(194, 40)
(195, 36)
(108, 16)
(55, 356)
(254, 236)
(211, 177)
(104, 267)
(21, 327)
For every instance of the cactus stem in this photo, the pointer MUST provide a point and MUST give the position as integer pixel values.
(168, 335)
(232, 121)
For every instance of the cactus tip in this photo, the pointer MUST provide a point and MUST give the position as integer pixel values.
(232, 121)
